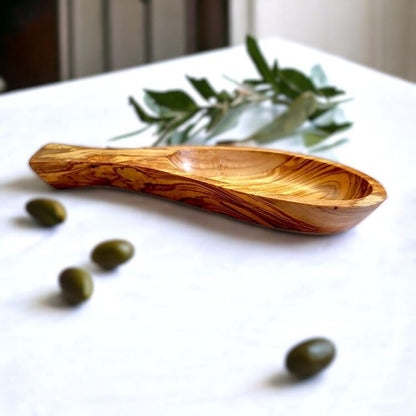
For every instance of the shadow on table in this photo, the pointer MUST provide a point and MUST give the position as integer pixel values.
(284, 379)
(28, 184)
(25, 222)
(54, 300)
(179, 212)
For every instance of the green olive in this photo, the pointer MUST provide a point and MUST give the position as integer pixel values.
(110, 254)
(76, 285)
(310, 357)
(47, 212)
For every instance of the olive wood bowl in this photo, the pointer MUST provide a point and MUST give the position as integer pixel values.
(282, 190)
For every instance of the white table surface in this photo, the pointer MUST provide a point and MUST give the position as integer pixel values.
(199, 322)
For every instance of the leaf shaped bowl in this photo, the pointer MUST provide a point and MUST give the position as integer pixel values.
(281, 190)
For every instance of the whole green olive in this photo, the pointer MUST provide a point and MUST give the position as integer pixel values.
(310, 357)
(76, 285)
(110, 254)
(47, 212)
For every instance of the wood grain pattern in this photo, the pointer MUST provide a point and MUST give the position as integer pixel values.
(275, 189)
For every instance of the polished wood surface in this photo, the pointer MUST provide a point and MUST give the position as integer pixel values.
(271, 188)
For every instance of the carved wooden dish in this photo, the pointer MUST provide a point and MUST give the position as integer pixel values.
(275, 189)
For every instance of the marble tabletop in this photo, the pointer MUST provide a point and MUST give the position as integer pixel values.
(200, 320)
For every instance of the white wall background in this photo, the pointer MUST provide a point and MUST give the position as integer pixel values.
(99, 35)
(376, 33)
(102, 35)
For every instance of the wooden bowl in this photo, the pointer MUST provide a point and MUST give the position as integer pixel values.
(282, 190)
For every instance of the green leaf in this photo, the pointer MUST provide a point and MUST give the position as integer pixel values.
(141, 113)
(296, 80)
(275, 69)
(312, 138)
(287, 122)
(329, 111)
(329, 92)
(320, 112)
(150, 102)
(215, 115)
(332, 128)
(203, 87)
(331, 145)
(179, 137)
(162, 112)
(287, 90)
(318, 76)
(175, 100)
(254, 82)
(176, 122)
(260, 63)
(228, 121)
(224, 96)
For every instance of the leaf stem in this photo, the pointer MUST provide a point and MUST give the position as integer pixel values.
(132, 133)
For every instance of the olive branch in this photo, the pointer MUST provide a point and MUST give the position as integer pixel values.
(305, 105)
